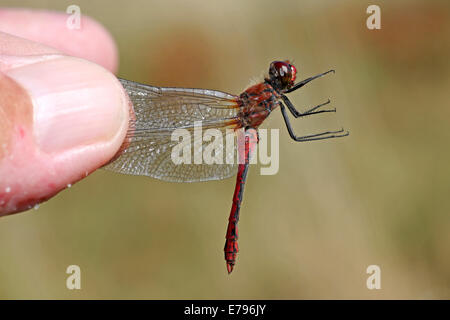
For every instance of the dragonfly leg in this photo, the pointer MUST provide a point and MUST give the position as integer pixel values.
(300, 84)
(231, 244)
(311, 111)
(311, 137)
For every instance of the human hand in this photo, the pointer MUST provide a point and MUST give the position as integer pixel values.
(61, 117)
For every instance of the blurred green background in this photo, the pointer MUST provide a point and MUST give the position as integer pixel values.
(380, 196)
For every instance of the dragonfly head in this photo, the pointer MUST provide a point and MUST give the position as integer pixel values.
(282, 75)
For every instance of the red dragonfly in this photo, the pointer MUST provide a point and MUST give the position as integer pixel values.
(159, 111)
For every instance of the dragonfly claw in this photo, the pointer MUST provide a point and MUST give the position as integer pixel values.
(230, 267)
(231, 250)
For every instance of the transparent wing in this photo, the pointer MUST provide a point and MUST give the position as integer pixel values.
(165, 118)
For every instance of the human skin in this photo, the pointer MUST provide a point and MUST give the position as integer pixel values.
(63, 113)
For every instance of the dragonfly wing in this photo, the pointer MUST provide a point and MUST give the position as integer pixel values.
(158, 113)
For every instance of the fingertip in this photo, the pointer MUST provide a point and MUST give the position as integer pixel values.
(91, 41)
(79, 115)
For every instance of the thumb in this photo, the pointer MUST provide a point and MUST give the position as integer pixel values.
(61, 118)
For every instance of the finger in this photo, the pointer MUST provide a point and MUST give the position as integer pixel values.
(60, 118)
(91, 42)
(14, 46)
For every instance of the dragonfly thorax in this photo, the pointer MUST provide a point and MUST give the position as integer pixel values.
(256, 103)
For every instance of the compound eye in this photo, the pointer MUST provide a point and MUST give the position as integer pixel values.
(282, 72)
(294, 73)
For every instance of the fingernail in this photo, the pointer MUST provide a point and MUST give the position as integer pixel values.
(75, 102)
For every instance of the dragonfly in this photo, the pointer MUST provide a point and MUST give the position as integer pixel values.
(157, 112)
